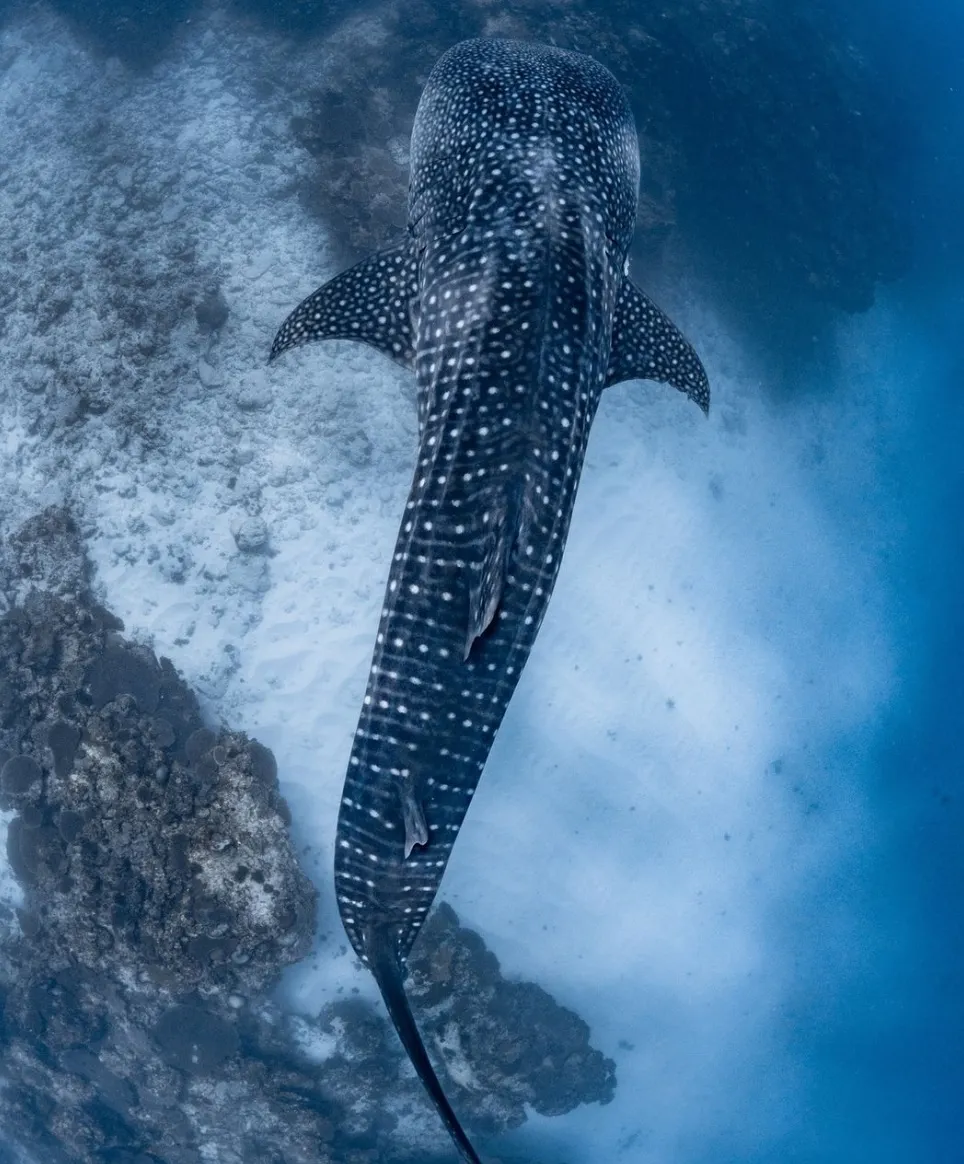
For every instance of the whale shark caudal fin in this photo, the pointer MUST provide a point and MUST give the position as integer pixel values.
(371, 302)
(647, 345)
(387, 969)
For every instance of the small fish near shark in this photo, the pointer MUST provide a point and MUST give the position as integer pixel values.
(509, 299)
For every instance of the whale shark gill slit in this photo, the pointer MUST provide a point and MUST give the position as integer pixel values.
(509, 300)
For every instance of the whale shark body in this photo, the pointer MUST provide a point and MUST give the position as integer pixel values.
(509, 299)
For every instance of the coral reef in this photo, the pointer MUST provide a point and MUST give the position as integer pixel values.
(161, 900)
(504, 1044)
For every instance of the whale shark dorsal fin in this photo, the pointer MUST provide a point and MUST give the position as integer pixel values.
(647, 345)
(413, 816)
(488, 579)
(373, 302)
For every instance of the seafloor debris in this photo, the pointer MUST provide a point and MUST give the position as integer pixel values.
(161, 899)
(211, 311)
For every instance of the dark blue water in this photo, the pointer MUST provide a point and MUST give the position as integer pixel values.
(912, 1010)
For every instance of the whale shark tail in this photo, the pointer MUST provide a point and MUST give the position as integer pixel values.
(386, 966)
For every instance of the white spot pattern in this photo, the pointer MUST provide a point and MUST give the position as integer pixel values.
(504, 298)
(374, 302)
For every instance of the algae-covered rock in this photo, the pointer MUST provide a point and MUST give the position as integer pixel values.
(162, 898)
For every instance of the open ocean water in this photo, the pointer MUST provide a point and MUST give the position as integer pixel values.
(706, 906)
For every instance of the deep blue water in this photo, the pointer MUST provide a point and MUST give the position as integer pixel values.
(917, 1081)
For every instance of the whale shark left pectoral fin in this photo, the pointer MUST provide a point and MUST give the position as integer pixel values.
(375, 302)
(647, 345)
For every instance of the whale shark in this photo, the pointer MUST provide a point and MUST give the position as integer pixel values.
(509, 299)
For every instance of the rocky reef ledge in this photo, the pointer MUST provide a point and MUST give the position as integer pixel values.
(160, 900)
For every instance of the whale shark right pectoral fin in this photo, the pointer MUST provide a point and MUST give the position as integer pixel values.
(376, 302)
(647, 345)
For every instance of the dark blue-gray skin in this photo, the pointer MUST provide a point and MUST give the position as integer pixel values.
(509, 299)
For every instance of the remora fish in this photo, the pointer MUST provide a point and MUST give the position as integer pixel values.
(509, 298)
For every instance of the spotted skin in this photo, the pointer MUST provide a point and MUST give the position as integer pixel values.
(373, 301)
(666, 356)
(509, 298)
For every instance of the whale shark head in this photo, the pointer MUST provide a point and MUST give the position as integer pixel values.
(508, 133)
